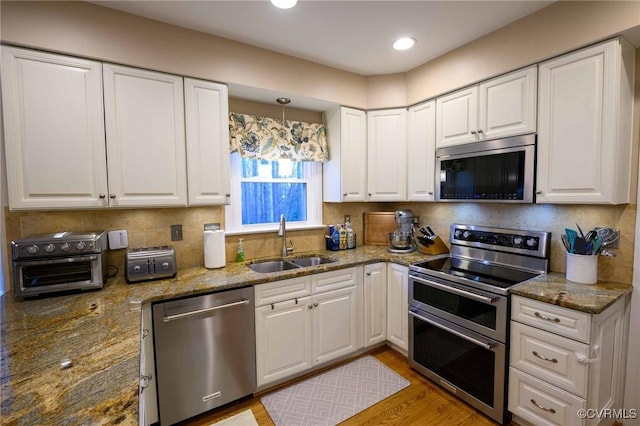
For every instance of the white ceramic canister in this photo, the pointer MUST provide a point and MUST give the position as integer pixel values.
(582, 268)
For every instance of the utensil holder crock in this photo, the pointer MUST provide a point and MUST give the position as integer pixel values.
(582, 268)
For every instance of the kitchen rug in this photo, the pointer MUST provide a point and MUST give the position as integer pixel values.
(331, 397)
(244, 418)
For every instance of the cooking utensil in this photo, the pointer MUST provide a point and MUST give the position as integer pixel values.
(580, 230)
(596, 245)
(580, 246)
(590, 235)
(565, 241)
(571, 236)
(433, 234)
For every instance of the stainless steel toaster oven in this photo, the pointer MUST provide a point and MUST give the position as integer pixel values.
(62, 261)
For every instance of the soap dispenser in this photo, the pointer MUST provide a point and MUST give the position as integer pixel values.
(240, 252)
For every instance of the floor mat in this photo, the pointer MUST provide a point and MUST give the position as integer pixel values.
(244, 418)
(331, 397)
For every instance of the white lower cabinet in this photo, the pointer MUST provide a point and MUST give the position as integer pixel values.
(397, 306)
(147, 395)
(375, 303)
(562, 360)
(305, 321)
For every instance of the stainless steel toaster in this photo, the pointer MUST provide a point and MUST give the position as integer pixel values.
(150, 263)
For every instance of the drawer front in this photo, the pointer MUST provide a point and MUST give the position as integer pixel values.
(556, 319)
(335, 280)
(549, 357)
(542, 404)
(279, 291)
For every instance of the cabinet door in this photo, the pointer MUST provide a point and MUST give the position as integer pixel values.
(584, 127)
(375, 303)
(344, 175)
(147, 400)
(54, 130)
(397, 305)
(457, 117)
(283, 339)
(387, 151)
(144, 114)
(207, 130)
(507, 105)
(335, 324)
(421, 151)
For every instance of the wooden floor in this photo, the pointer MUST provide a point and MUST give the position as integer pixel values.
(421, 403)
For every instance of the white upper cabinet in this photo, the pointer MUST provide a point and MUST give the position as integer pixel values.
(503, 106)
(207, 131)
(54, 130)
(421, 149)
(144, 116)
(386, 153)
(344, 175)
(584, 136)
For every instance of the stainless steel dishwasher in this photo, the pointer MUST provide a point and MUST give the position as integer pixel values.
(204, 351)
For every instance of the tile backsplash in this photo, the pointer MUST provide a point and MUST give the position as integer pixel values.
(151, 227)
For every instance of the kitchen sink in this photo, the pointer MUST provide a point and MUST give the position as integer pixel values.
(284, 265)
(311, 261)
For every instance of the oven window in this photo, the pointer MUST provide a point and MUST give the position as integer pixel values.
(461, 363)
(477, 312)
(486, 177)
(57, 273)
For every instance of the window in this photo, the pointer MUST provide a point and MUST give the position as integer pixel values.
(262, 190)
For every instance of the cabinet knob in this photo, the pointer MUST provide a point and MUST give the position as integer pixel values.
(344, 195)
(430, 192)
(480, 131)
(102, 196)
(227, 195)
(112, 196)
(369, 194)
(368, 274)
(473, 132)
(310, 306)
(538, 192)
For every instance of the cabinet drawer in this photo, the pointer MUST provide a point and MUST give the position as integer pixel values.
(279, 291)
(542, 404)
(566, 322)
(335, 280)
(549, 357)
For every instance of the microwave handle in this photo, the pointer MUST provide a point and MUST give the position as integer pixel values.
(486, 345)
(70, 259)
(454, 290)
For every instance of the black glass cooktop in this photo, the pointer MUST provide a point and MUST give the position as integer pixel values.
(493, 275)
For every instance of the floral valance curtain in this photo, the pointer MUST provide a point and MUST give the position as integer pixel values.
(267, 139)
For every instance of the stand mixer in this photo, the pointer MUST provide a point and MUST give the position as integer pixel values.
(402, 239)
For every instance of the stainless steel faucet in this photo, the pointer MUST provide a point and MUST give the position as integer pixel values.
(282, 232)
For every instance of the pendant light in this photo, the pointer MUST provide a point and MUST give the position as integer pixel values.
(283, 102)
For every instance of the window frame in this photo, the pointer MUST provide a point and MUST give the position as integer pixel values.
(233, 211)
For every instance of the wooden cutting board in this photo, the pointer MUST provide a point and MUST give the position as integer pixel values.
(377, 226)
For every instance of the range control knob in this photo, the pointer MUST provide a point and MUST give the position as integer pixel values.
(50, 248)
(466, 234)
(531, 242)
(517, 241)
(165, 265)
(136, 268)
(34, 249)
(81, 245)
(65, 247)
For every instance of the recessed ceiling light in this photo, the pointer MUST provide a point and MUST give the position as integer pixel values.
(404, 43)
(284, 4)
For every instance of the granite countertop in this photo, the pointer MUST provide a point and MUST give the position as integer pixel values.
(554, 288)
(99, 333)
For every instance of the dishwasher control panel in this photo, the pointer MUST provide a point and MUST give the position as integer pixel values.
(150, 263)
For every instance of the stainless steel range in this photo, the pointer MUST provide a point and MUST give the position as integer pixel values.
(459, 310)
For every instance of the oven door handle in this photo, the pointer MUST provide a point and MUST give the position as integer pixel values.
(455, 290)
(70, 259)
(486, 345)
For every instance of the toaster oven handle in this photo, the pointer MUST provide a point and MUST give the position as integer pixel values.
(486, 345)
(168, 318)
(455, 290)
(69, 259)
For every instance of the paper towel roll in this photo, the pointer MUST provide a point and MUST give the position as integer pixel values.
(214, 251)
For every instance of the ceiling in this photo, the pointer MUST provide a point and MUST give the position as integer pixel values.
(351, 35)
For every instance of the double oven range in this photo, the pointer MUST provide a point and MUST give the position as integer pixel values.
(459, 310)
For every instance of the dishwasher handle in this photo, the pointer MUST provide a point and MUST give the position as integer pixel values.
(167, 318)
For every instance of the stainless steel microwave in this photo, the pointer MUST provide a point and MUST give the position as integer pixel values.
(499, 170)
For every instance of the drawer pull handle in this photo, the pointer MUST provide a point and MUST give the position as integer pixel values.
(537, 314)
(551, 410)
(553, 360)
